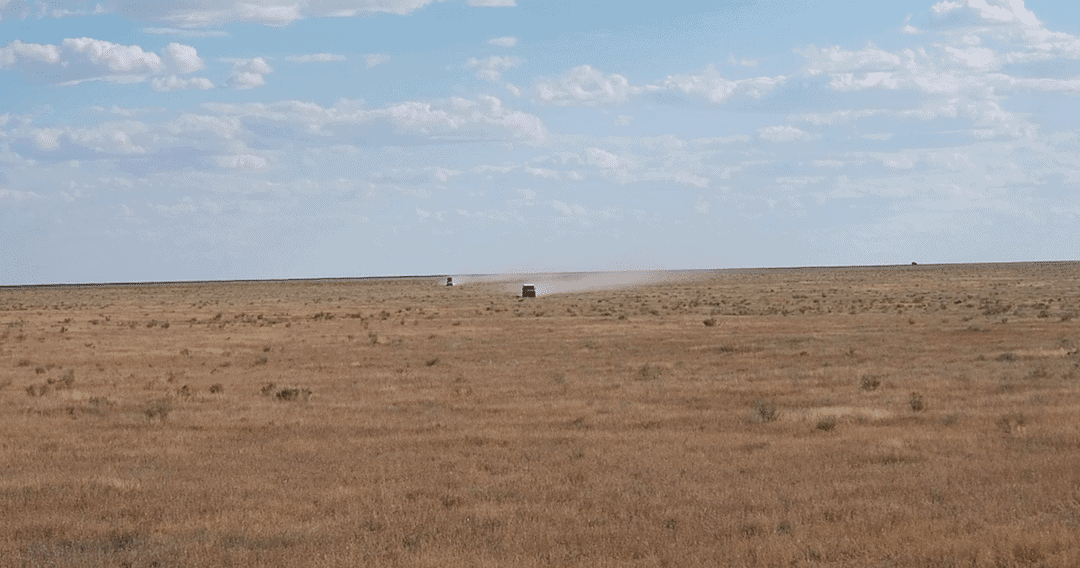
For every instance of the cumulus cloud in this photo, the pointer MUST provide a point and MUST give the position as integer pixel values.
(784, 133)
(742, 62)
(183, 58)
(174, 83)
(603, 159)
(242, 161)
(116, 58)
(837, 59)
(186, 32)
(587, 86)
(87, 59)
(491, 68)
(189, 14)
(506, 41)
(477, 118)
(717, 89)
(969, 48)
(248, 73)
(984, 12)
(316, 58)
(445, 174)
(107, 138)
(373, 59)
(19, 53)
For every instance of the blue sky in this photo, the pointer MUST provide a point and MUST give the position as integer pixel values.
(214, 139)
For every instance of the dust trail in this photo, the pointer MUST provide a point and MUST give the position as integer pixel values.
(564, 282)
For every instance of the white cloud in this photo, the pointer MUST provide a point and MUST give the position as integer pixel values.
(174, 83)
(979, 58)
(185, 32)
(742, 62)
(444, 174)
(568, 210)
(281, 15)
(1015, 11)
(945, 6)
(506, 41)
(248, 73)
(243, 80)
(603, 159)
(316, 58)
(187, 14)
(19, 196)
(242, 161)
(836, 59)
(848, 81)
(717, 89)
(18, 53)
(491, 68)
(225, 128)
(429, 119)
(184, 58)
(105, 138)
(493, 3)
(374, 59)
(784, 134)
(542, 172)
(585, 85)
(117, 58)
(881, 136)
(86, 59)
(687, 178)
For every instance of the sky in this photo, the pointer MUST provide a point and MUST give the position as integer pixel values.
(219, 139)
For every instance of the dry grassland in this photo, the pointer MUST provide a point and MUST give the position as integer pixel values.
(922, 416)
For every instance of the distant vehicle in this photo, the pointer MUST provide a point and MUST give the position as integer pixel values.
(449, 280)
(528, 291)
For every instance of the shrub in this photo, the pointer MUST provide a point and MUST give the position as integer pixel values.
(710, 322)
(649, 372)
(217, 388)
(870, 382)
(915, 401)
(827, 423)
(294, 394)
(267, 389)
(764, 411)
(1012, 423)
(37, 390)
(159, 409)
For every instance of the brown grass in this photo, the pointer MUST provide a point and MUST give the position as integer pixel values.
(431, 426)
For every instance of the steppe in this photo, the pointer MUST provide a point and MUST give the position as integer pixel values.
(900, 416)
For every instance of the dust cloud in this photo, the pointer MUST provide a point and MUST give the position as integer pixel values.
(565, 282)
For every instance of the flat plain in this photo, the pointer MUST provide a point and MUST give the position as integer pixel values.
(903, 416)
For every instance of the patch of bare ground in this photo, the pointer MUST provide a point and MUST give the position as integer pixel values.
(846, 417)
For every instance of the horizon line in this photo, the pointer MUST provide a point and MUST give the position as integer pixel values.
(522, 274)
